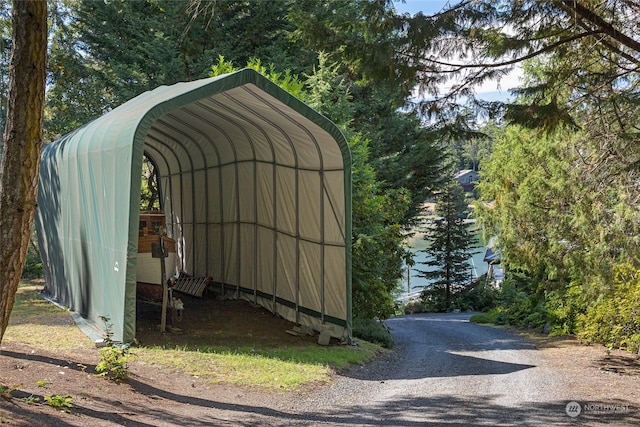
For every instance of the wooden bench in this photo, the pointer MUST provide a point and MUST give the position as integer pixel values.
(191, 285)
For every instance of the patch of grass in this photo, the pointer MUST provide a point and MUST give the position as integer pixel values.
(30, 304)
(56, 337)
(237, 368)
(283, 369)
(35, 320)
(271, 366)
(484, 318)
(31, 400)
(336, 357)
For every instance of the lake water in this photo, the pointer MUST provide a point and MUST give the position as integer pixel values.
(417, 244)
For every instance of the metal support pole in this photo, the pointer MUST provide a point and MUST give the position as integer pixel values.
(165, 287)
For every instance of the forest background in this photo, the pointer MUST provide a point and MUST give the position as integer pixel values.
(559, 161)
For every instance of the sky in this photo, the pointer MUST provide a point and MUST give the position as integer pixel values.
(490, 91)
(425, 6)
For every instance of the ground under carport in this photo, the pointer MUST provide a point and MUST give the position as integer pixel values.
(212, 321)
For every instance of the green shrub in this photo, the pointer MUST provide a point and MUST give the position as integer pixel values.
(60, 402)
(113, 363)
(414, 307)
(33, 264)
(483, 297)
(613, 319)
(484, 318)
(520, 304)
(113, 359)
(563, 309)
(434, 300)
(373, 331)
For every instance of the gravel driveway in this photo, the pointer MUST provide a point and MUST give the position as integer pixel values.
(445, 371)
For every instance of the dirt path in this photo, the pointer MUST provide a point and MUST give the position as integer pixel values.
(445, 370)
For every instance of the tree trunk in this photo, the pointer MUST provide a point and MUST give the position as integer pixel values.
(22, 143)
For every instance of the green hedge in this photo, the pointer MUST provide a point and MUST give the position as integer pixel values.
(613, 319)
(373, 331)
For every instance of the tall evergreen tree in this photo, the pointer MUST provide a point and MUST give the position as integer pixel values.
(450, 247)
(114, 50)
(470, 42)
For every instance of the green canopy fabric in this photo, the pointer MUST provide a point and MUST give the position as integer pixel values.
(255, 186)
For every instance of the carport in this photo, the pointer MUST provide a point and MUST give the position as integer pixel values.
(255, 188)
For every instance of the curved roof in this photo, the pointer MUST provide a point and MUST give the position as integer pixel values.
(255, 185)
